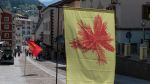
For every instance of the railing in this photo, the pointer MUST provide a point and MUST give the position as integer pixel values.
(133, 68)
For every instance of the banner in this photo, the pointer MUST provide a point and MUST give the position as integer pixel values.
(90, 46)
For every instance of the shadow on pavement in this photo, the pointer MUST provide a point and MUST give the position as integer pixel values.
(31, 75)
(62, 68)
(4, 64)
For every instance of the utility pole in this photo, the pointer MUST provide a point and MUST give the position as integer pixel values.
(143, 24)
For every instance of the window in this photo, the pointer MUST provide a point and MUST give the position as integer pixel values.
(6, 19)
(28, 28)
(23, 32)
(28, 23)
(28, 32)
(26, 39)
(23, 22)
(146, 11)
(114, 1)
(18, 41)
(6, 35)
(6, 26)
(18, 35)
(18, 28)
(23, 27)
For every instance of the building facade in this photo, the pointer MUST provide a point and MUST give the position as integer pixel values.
(132, 34)
(6, 28)
(51, 26)
(132, 27)
(23, 27)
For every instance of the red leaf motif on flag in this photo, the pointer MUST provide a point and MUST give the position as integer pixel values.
(95, 40)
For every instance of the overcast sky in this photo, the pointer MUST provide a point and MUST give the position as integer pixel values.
(47, 2)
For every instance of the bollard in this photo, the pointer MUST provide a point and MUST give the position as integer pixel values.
(143, 53)
(127, 50)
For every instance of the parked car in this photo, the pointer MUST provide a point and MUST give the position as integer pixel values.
(6, 56)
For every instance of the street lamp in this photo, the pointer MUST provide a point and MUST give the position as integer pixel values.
(41, 34)
(39, 9)
(143, 24)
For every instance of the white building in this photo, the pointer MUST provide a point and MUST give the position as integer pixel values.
(35, 21)
(23, 29)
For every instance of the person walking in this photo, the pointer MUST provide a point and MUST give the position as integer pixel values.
(15, 52)
(26, 52)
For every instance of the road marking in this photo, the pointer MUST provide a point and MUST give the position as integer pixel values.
(48, 71)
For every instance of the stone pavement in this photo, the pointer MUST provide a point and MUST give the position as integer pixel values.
(119, 79)
(37, 74)
(47, 70)
(44, 73)
(11, 74)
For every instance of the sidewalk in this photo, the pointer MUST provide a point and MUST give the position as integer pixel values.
(49, 71)
(11, 74)
(46, 72)
(34, 75)
(119, 79)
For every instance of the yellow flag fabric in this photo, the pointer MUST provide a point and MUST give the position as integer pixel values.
(90, 46)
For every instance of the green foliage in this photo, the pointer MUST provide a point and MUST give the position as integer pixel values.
(24, 7)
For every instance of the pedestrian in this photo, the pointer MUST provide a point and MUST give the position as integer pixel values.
(18, 54)
(30, 54)
(18, 51)
(26, 52)
(15, 52)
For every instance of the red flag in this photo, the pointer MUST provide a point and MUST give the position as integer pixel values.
(35, 49)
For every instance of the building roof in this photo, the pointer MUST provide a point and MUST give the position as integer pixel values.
(22, 19)
(20, 16)
(59, 3)
(5, 11)
(62, 2)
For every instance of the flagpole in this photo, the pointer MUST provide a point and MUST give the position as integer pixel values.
(57, 49)
(25, 60)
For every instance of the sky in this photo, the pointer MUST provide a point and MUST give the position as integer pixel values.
(47, 2)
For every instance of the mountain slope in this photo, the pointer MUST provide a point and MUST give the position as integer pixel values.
(24, 7)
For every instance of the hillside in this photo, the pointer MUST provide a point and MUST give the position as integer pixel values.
(24, 7)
